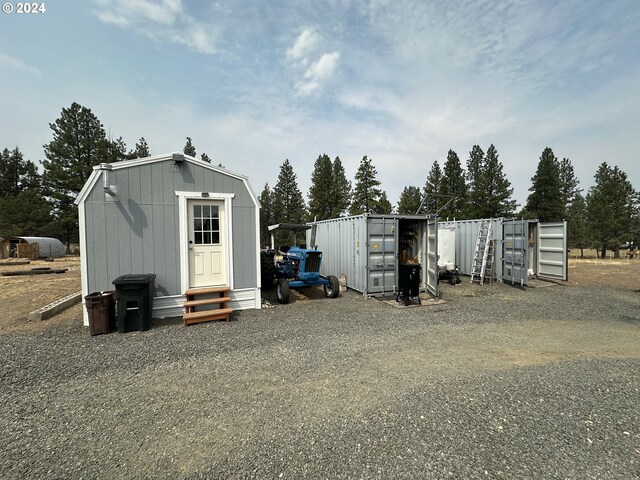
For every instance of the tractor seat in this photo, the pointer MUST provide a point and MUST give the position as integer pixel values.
(284, 248)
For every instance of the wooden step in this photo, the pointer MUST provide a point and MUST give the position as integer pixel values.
(207, 316)
(207, 290)
(206, 301)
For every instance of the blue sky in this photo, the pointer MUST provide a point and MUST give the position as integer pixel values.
(403, 81)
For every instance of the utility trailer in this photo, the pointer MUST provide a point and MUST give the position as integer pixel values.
(370, 248)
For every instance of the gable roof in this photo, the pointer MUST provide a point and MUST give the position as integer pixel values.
(97, 169)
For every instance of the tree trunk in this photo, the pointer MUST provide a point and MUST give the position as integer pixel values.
(616, 252)
(581, 252)
(603, 254)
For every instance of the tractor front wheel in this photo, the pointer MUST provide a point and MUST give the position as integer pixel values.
(333, 288)
(282, 290)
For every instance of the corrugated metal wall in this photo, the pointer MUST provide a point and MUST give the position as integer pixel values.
(466, 234)
(343, 243)
(139, 233)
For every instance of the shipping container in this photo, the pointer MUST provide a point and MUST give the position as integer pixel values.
(369, 248)
(524, 249)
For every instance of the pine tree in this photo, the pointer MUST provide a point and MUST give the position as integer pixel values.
(568, 184)
(23, 210)
(115, 150)
(431, 190)
(27, 213)
(79, 142)
(341, 190)
(497, 200)
(267, 217)
(16, 173)
(546, 202)
(475, 185)
(289, 206)
(612, 209)
(189, 149)
(409, 201)
(205, 158)
(366, 193)
(141, 150)
(453, 187)
(578, 235)
(321, 205)
(384, 206)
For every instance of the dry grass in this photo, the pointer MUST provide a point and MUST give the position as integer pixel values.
(593, 254)
(620, 273)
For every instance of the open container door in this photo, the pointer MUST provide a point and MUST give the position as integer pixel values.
(552, 251)
(430, 270)
(515, 260)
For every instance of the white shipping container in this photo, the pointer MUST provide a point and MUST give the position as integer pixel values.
(523, 249)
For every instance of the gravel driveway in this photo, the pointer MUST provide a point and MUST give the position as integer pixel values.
(495, 383)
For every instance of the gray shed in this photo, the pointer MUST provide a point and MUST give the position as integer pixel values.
(191, 223)
(48, 247)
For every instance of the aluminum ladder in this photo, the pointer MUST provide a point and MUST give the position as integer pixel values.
(483, 255)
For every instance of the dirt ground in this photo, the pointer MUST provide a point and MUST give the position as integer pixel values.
(20, 295)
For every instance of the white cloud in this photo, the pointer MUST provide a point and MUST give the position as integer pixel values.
(304, 46)
(324, 67)
(317, 73)
(17, 64)
(319, 65)
(166, 19)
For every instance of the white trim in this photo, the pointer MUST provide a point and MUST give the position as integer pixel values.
(88, 186)
(84, 281)
(183, 234)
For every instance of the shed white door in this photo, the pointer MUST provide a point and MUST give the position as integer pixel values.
(207, 250)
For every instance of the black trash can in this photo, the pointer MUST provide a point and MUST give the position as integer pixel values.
(134, 301)
(408, 282)
(102, 312)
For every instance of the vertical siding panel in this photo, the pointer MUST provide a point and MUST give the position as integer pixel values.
(146, 186)
(171, 182)
(147, 240)
(123, 228)
(160, 253)
(111, 248)
(91, 251)
(238, 249)
(170, 215)
(156, 183)
(99, 248)
(137, 219)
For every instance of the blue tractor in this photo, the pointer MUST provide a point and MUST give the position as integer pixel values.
(294, 265)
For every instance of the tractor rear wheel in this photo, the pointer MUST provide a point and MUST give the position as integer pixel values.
(333, 288)
(282, 290)
(267, 269)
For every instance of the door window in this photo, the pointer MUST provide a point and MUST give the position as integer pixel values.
(206, 225)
